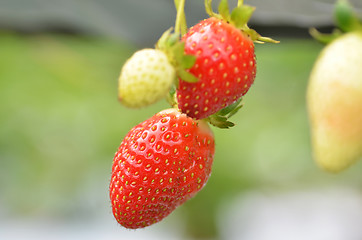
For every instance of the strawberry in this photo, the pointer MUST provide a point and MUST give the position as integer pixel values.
(334, 94)
(334, 100)
(225, 66)
(160, 164)
(225, 62)
(145, 78)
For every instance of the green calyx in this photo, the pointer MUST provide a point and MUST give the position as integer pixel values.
(173, 47)
(220, 119)
(346, 19)
(170, 43)
(239, 17)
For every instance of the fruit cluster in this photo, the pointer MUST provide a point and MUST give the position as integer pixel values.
(203, 71)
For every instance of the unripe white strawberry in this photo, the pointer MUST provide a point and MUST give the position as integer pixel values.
(334, 100)
(145, 78)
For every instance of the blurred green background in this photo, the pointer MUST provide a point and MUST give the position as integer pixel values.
(61, 122)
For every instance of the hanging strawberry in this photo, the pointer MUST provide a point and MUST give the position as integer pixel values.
(160, 164)
(334, 95)
(225, 60)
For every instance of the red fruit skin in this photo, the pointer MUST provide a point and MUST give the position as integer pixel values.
(160, 164)
(225, 66)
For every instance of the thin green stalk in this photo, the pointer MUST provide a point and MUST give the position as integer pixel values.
(240, 3)
(208, 7)
(180, 24)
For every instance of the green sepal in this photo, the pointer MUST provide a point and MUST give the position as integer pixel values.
(173, 39)
(235, 110)
(171, 96)
(262, 39)
(186, 76)
(174, 48)
(188, 61)
(252, 34)
(325, 38)
(220, 119)
(256, 37)
(177, 51)
(182, 60)
(163, 41)
(230, 110)
(241, 15)
(345, 16)
(224, 10)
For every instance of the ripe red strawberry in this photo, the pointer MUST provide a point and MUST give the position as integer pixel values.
(225, 66)
(160, 164)
(225, 60)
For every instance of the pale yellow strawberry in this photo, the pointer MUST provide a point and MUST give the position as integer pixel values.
(334, 99)
(145, 78)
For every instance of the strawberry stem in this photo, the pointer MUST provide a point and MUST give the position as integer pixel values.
(240, 3)
(209, 11)
(180, 24)
(208, 7)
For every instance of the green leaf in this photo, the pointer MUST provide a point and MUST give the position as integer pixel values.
(186, 76)
(188, 61)
(224, 10)
(345, 17)
(241, 15)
